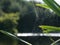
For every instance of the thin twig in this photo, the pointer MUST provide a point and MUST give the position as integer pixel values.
(55, 42)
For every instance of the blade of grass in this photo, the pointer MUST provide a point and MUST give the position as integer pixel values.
(43, 5)
(13, 36)
(56, 4)
(53, 6)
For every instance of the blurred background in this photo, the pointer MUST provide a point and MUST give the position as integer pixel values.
(23, 16)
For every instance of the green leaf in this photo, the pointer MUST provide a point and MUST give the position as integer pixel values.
(47, 29)
(53, 5)
(43, 5)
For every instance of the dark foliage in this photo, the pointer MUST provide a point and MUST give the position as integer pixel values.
(7, 25)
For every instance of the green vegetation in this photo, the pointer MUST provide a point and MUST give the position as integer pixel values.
(43, 6)
(8, 22)
(50, 29)
(53, 5)
(20, 16)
